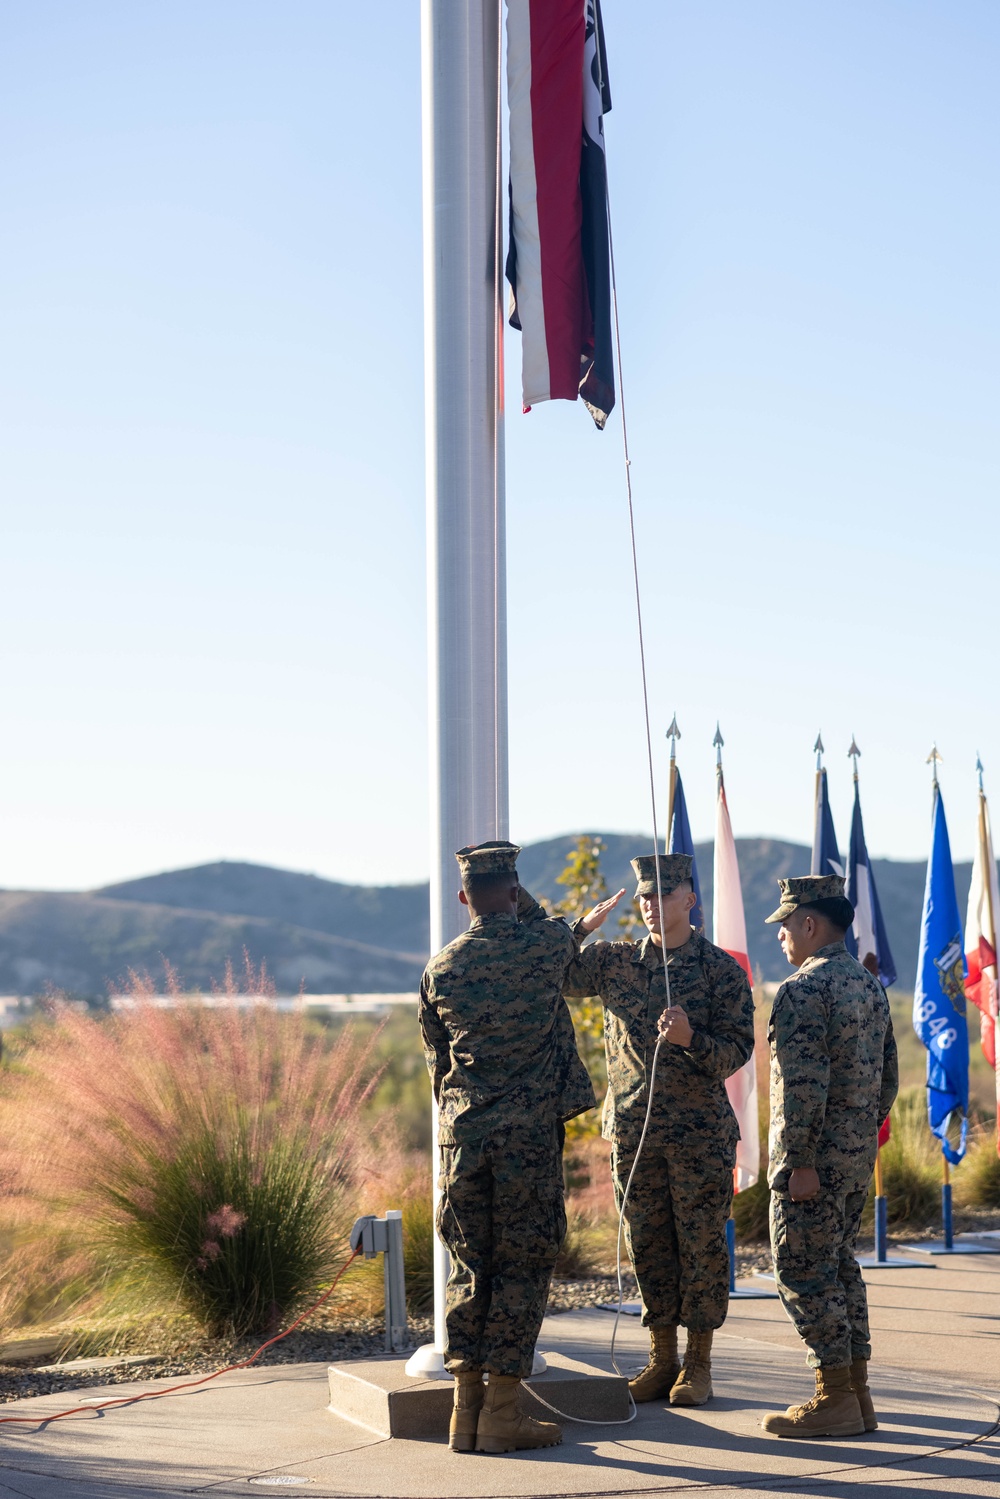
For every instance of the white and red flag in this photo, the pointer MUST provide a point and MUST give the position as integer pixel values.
(981, 940)
(558, 260)
(729, 931)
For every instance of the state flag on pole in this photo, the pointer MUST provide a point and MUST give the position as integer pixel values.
(729, 931)
(825, 853)
(869, 928)
(981, 942)
(939, 997)
(680, 841)
(825, 850)
(558, 259)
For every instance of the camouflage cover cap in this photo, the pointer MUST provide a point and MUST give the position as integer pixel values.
(674, 869)
(803, 889)
(488, 858)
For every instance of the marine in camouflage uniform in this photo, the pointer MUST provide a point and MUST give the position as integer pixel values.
(834, 1075)
(680, 1195)
(502, 1055)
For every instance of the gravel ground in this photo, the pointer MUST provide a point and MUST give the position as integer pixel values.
(176, 1354)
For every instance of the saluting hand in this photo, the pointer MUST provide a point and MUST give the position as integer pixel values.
(595, 918)
(673, 1025)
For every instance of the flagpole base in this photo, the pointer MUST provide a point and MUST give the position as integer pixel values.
(938, 1246)
(891, 1262)
(427, 1363)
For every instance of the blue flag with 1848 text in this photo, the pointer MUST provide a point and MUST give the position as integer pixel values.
(939, 997)
(681, 842)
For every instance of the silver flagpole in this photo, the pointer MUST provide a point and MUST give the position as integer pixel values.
(467, 686)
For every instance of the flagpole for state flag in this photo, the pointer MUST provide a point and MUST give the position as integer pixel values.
(947, 1225)
(881, 1260)
(467, 668)
(988, 867)
(881, 1205)
(815, 865)
(673, 734)
(939, 1021)
(729, 933)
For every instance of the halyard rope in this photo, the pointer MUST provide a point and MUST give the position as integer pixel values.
(652, 801)
(43, 1419)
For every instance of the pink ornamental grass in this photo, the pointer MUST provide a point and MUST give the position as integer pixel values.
(206, 1155)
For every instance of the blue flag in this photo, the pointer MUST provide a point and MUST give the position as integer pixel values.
(681, 842)
(825, 855)
(869, 928)
(939, 998)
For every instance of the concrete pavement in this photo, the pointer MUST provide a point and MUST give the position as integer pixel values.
(935, 1383)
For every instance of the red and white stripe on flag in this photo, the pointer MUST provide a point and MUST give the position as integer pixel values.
(729, 931)
(980, 937)
(545, 47)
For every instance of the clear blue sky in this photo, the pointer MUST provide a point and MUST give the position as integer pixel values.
(212, 605)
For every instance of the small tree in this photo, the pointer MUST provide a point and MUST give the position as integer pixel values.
(585, 885)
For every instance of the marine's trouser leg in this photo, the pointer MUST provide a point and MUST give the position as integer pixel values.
(817, 1275)
(503, 1220)
(465, 1226)
(849, 1273)
(675, 1229)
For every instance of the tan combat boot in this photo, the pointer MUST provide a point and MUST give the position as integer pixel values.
(832, 1412)
(663, 1367)
(503, 1426)
(693, 1385)
(469, 1392)
(859, 1384)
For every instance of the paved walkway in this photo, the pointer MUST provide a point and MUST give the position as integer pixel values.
(936, 1384)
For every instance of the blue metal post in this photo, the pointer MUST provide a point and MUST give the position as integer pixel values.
(881, 1229)
(731, 1242)
(946, 1214)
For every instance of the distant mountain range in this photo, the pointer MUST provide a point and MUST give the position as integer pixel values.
(354, 939)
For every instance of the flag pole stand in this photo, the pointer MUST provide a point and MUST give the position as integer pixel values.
(882, 1260)
(947, 1245)
(747, 1291)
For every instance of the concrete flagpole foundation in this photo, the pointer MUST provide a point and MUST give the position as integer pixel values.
(464, 475)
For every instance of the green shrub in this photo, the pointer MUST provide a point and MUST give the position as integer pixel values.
(197, 1158)
(751, 1209)
(911, 1164)
(418, 1252)
(977, 1180)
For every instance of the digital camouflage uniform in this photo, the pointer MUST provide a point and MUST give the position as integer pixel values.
(679, 1200)
(834, 1075)
(506, 1073)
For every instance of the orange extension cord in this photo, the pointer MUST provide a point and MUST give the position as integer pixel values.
(191, 1384)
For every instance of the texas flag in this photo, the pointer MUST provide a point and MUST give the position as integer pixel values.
(869, 928)
(559, 257)
(729, 931)
(981, 942)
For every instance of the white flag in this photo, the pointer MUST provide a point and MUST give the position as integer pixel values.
(981, 946)
(729, 931)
